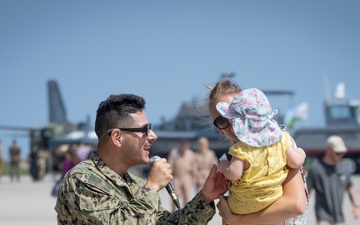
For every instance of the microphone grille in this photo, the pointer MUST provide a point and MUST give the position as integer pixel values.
(153, 160)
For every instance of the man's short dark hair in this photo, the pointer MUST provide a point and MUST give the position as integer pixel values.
(114, 112)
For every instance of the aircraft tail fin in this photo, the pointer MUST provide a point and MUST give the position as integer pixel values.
(57, 111)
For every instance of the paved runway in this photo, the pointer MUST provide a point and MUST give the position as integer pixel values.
(30, 203)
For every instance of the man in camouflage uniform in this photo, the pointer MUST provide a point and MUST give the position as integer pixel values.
(1, 160)
(15, 159)
(101, 191)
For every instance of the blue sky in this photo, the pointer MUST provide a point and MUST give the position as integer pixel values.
(167, 51)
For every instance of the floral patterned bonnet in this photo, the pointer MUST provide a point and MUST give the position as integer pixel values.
(252, 118)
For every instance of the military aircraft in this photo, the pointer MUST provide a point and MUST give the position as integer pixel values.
(58, 125)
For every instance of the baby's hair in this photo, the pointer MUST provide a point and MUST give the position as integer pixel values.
(223, 87)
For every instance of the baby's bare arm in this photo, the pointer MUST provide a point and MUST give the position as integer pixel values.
(232, 170)
(295, 157)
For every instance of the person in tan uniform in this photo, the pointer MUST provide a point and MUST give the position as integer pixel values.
(205, 159)
(42, 156)
(182, 162)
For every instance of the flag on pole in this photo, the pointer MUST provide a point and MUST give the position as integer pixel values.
(300, 113)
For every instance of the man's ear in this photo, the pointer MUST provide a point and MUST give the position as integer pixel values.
(117, 134)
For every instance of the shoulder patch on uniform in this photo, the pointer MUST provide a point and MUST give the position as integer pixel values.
(100, 183)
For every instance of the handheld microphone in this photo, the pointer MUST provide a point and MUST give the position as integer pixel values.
(169, 187)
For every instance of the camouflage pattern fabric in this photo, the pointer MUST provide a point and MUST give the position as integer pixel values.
(92, 193)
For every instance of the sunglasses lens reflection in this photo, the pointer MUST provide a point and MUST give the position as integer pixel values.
(221, 122)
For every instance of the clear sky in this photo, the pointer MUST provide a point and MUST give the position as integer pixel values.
(167, 51)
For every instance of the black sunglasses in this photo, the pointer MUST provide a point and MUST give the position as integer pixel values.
(340, 153)
(145, 129)
(221, 122)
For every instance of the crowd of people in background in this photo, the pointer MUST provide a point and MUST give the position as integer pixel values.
(190, 167)
(41, 161)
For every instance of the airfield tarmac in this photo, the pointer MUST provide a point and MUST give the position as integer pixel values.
(30, 203)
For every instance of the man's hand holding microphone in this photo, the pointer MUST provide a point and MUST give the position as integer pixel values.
(165, 169)
(160, 174)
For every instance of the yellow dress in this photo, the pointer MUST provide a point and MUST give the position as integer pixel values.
(261, 184)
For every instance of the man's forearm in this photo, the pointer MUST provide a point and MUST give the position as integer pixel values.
(353, 196)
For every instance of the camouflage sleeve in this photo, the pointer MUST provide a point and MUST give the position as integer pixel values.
(197, 211)
(87, 199)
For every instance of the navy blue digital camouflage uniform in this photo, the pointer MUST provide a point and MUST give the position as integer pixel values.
(92, 193)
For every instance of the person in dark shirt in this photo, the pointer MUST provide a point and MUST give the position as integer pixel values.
(330, 184)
